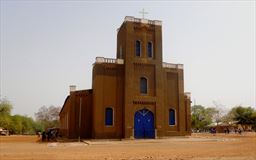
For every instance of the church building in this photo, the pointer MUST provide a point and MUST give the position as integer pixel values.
(135, 95)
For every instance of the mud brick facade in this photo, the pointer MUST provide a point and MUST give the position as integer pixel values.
(136, 95)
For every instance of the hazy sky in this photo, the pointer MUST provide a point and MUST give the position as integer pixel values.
(48, 45)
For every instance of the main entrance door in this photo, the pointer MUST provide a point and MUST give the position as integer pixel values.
(144, 124)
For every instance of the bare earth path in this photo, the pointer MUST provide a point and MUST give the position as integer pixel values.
(195, 147)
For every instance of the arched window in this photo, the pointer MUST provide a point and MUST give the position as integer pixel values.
(143, 85)
(109, 117)
(171, 117)
(150, 49)
(138, 48)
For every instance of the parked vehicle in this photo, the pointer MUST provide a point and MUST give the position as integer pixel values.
(4, 132)
(50, 134)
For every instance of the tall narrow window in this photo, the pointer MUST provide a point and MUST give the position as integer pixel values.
(143, 85)
(138, 48)
(150, 49)
(109, 117)
(171, 117)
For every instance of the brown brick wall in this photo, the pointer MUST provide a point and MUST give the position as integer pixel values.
(107, 92)
(69, 116)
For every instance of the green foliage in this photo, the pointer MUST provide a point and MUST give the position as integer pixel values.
(241, 115)
(5, 107)
(5, 121)
(244, 115)
(5, 111)
(23, 125)
(17, 124)
(201, 116)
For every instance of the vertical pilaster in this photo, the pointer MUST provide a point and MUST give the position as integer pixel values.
(181, 101)
(129, 77)
(159, 82)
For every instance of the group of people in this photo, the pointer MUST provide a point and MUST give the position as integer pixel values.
(226, 130)
(239, 130)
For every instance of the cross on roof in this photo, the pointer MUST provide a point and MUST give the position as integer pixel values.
(143, 13)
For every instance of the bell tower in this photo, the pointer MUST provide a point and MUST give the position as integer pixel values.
(140, 39)
(139, 43)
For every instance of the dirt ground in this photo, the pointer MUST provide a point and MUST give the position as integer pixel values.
(195, 147)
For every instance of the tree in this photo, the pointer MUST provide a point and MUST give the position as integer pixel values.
(229, 117)
(48, 116)
(242, 115)
(5, 114)
(217, 114)
(5, 107)
(22, 125)
(16, 124)
(200, 117)
(5, 121)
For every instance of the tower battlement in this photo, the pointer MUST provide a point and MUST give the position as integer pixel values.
(142, 20)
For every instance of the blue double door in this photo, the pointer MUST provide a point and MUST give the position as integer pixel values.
(144, 124)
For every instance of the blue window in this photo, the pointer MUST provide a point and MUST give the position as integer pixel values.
(150, 49)
(138, 48)
(109, 117)
(143, 85)
(171, 117)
